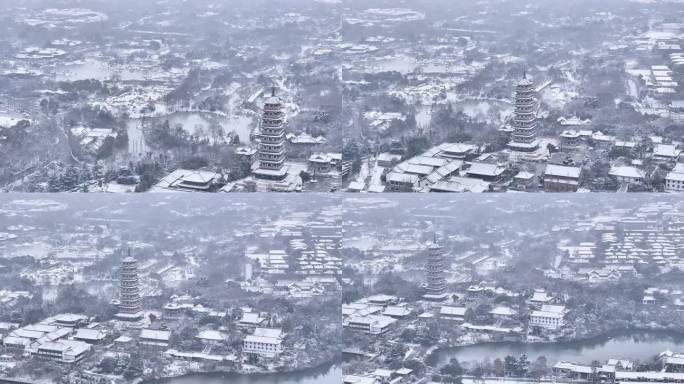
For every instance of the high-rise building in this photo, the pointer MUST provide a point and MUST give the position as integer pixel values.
(524, 124)
(271, 155)
(435, 273)
(130, 302)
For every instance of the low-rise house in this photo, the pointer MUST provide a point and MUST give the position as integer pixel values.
(671, 361)
(15, 344)
(569, 140)
(397, 311)
(323, 162)
(486, 171)
(372, 324)
(210, 336)
(666, 153)
(64, 351)
(674, 180)
(561, 178)
(90, 336)
(547, 319)
(248, 154)
(453, 313)
(461, 184)
(187, 180)
(573, 370)
(387, 159)
(627, 174)
(400, 182)
(524, 181)
(602, 140)
(251, 319)
(72, 320)
(625, 147)
(154, 339)
(459, 151)
(540, 297)
(502, 312)
(264, 342)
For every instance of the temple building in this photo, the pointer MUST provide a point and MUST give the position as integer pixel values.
(524, 124)
(130, 302)
(271, 154)
(435, 271)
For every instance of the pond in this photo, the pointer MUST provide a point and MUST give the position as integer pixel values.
(635, 346)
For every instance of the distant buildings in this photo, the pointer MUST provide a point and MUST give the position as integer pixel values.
(272, 141)
(130, 302)
(524, 137)
(435, 280)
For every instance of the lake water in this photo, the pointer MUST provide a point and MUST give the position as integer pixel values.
(637, 346)
(321, 375)
(210, 125)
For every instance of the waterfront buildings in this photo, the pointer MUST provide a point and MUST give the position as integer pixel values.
(549, 317)
(264, 342)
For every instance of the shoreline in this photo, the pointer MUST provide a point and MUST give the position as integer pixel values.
(316, 369)
(601, 338)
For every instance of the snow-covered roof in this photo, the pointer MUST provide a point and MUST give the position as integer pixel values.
(502, 311)
(562, 171)
(666, 150)
(452, 311)
(90, 334)
(152, 334)
(210, 334)
(626, 171)
(485, 169)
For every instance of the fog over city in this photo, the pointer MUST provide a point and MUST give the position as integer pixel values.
(341, 191)
(333, 95)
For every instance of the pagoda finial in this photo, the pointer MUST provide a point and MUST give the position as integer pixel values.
(273, 90)
(524, 72)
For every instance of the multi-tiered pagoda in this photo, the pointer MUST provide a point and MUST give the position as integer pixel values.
(435, 274)
(524, 136)
(272, 141)
(130, 302)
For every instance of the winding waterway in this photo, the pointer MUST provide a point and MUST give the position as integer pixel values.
(330, 374)
(632, 346)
